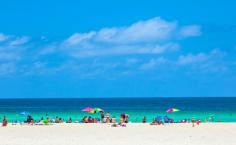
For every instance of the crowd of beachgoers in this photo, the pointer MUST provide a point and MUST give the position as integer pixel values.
(104, 118)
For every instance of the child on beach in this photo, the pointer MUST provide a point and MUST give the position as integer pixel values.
(4, 121)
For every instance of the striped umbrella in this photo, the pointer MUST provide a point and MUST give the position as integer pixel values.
(171, 110)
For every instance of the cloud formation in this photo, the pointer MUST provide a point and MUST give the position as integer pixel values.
(213, 61)
(190, 31)
(153, 36)
(201, 57)
(3, 37)
(142, 46)
(19, 41)
(12, 51)
(152, 63)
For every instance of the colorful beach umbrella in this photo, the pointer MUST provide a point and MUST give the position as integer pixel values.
(95, 110)
(92, 111)
(98, 110)
(87, 109)
(170, 110)
(45, 122)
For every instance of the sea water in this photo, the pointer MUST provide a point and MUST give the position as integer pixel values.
(221, 108)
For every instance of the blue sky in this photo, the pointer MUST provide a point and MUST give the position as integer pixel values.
(125, 48)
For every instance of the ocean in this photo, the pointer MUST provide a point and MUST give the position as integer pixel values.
(223, 109)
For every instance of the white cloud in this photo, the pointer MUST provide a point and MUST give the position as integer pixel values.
(47, 49)
(7, 68)
(44, 38)
(132, 61)
(212, 61)
(19, 41)
(12, 49)
(124, 50)
(153, 36)
(200, 57)
(79, 37)
(191, 58)
(190, 31)
(8, 56)
(152, 30)
(153, 63)
(3, 37)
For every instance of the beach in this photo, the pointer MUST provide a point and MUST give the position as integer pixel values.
(132, 134)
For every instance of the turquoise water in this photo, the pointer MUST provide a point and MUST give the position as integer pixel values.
(223, 109)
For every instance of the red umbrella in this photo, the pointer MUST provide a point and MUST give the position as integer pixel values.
(88, 109)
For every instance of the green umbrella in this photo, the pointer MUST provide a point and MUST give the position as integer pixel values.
(92, 112)
(45, 122)
(98, 110)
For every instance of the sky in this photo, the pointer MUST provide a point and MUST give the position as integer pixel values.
(119, 48)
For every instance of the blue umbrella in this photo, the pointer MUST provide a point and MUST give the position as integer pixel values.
(159, 118)
(24, 113)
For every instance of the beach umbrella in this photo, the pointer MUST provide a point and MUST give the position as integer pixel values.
(98, 110)
(92, 112)
(24, 113)
(171, 110)
(87, 109)
(159, 118)
(45, 122)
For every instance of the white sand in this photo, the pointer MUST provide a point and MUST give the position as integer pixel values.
(133, 134)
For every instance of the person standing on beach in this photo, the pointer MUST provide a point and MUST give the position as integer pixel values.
(4, 121)
(144, 119)
(193, 122)
(126, 118)
(70, 120)
(102, 116)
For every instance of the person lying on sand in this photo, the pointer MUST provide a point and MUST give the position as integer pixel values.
(154, 121)
(114, 125)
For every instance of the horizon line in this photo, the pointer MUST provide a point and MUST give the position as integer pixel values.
(112, 97)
